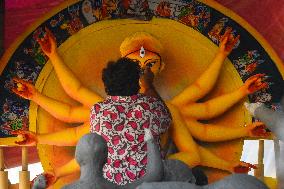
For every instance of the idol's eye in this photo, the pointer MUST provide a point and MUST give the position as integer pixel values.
(151, 64)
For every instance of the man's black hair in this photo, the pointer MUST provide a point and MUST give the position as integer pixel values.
(121, 78)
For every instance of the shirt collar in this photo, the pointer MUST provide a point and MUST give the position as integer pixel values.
(124, 98)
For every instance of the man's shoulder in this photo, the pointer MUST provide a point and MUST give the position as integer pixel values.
(147, 98)
(151, 100)
(96, 107)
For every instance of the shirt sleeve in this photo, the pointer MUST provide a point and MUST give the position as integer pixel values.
(162, 119)
(94, 119)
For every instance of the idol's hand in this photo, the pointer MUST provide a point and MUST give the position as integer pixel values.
(255, 83)
(44, 180)
(26, 138)
(243, 167)
(50, 179)
(227, 42)
(24, 89)
(258, 129)
(48, 43)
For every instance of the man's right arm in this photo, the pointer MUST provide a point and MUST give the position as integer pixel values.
(160, 106)
(147, 84)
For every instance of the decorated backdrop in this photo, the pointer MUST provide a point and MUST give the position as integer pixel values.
(180, 25)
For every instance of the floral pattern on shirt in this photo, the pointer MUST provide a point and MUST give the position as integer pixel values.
(121, 120)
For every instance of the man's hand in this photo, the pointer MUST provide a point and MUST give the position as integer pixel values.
(227, 42)
(146, 83)
(147, 78)
(26, 138)
(48, 43)
(255, 83)
(24, 89)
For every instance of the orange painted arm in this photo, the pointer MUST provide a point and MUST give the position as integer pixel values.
(189, 152)
(208, 79)
(61, 110)
(71, 85)
(214, 107)
(203, 85)
(183, 139)
(217, 106)
(58, 109)
(67, 169)
(215, 133)
(66, 137)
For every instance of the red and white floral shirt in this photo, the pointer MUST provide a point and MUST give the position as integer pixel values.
(121, 120)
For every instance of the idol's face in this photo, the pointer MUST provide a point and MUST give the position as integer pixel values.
(149, 59)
